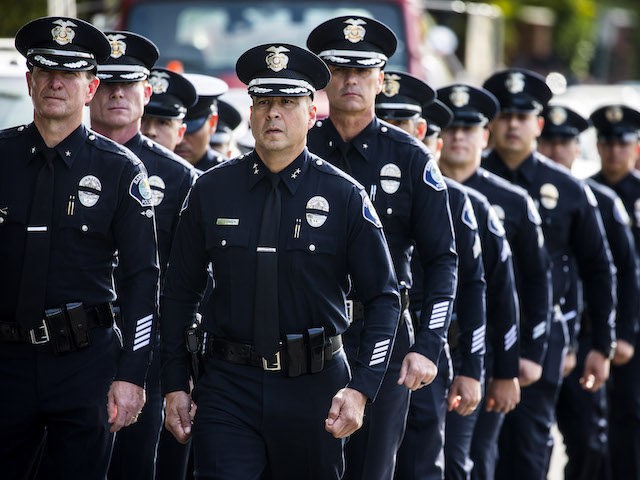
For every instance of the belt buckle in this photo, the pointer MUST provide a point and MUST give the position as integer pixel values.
(273, 363)
(42, 336)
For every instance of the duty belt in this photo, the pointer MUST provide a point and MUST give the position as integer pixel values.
(295, 357)
(355, 308)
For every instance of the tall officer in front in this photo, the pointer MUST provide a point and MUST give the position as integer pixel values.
(287, 234)
(407, 188)
(69, 200)
(116, 112)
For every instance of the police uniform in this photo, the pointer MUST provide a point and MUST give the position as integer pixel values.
(572, 231)
(408, 191)
(274, 406)
(170, 177)
(617, 123)
(57, 367)
(469, 107)
(438, 116)
(208, 89)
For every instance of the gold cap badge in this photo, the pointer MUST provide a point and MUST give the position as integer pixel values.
(354, 31)
(62, 33)
(276, 59)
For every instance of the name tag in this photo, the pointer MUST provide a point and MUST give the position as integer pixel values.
(228, 221)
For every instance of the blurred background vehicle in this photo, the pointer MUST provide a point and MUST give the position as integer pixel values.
(15, 104)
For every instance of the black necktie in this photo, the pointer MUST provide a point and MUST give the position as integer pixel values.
(33, 283)
(266, 330)
(343, 162)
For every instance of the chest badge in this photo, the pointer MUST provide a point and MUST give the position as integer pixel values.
(390, 175)
(317, 211)
(89, 189)
(549, 196)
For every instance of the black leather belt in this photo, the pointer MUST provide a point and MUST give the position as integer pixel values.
(245, 354)
(356, 308)
(96, 316)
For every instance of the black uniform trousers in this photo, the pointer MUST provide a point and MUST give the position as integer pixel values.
(252, 424)
(66, 395)
(371, 451)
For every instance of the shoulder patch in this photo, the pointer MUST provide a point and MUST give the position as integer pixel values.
(140, 190)
(468, 216)
(368, 211)
(433, 177)
(494, 224)
(620, 213)
(532, 212)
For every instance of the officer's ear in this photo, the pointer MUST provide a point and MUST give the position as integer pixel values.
(181, 131)
(213, 122)
(421, 129)
(92, 87)
(540, 125)
(28, 77)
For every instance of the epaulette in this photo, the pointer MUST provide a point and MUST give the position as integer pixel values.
(107, 145)
(326, 167)
(163, 151)
(13, 131)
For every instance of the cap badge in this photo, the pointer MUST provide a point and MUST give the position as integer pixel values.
(459, 96)
(118, 47)
(277, 60)
(391, 85)
(159, 82)
(558, 115)
(515, 82)
(354, 31)
(62, 33)
(614, 114)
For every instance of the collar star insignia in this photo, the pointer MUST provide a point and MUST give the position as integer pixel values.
(67, 153)
(33, 149)
(255, 168)
(365, 145)
(295, 173)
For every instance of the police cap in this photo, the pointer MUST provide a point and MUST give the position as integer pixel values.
(562, 122)
(402, 96)
(229, 119)
(616, 123)
(470, 106)
(438, 116)
(519, 90)
(281, 70)
(208, 89)
(354, 42)
(132, 58)
(62, 43)
(171, 94)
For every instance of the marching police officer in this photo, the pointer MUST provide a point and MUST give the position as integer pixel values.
(617, 128)
(440, 116)
(420, 454)
(572, 232)
(283, 229)
(201, 120)
(582, 415)
(69, 200)
(408, 190)
(229, 118)
(163, 119)
(116, 112)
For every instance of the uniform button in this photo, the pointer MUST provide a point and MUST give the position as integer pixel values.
(389, 211)
(331, 143)
(312, 248)
(20, 128)
(384, 129)
(150, 143)
(85, 228)
(318, 162)
(319, 123)
(1, 220)
(92, 137)
(223, 243)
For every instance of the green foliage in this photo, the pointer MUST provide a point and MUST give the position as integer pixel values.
(17, 13)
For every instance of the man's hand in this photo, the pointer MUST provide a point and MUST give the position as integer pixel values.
(178, 414)
(464, 395)
(416, 371)
(570, 361)
(346, 413)
(124, 403)
(530, 372)
(503, 395)
(624, 353)
(596, 371)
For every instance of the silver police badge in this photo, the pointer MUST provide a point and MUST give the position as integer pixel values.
(459, 96)
(354, 31)
(557, 115)
(159, 82)
(614, 114)
(514, 82)
(276, 59)
(317, 211)
(118, 47)
(391, 85)
(390, 175)
(62, 33)
(549, 196)
(157, 186)
(89, 189)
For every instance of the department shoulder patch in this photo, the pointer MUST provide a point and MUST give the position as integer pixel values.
(140, 190)
(368, 210)
(468, 216)
(433, 177)
(494, 224)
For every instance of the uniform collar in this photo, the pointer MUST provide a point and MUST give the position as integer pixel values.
(135, 143)
(525, 171)
(67, 149)
(626, 185)
(291, 176)
(364, 142)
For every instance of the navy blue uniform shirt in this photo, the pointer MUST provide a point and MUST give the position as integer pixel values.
(102, 204)
(410, 195)
(572, 230)
(329, 232)
(210, 159)
(531, 263)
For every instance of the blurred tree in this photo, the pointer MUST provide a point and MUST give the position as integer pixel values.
(18, 13)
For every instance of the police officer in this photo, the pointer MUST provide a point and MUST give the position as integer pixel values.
(406, 186)
(69, 199)
(617, 129)
(283, 230)
(440, 116)
(473, 109)
(420, 455)
(116, 112)
(229, 118)
(582, 415)
(163, 119)
(572, 232)
(201, 120)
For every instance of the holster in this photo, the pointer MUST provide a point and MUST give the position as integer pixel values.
(59, 331)
(194, 340)
(315, 349)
